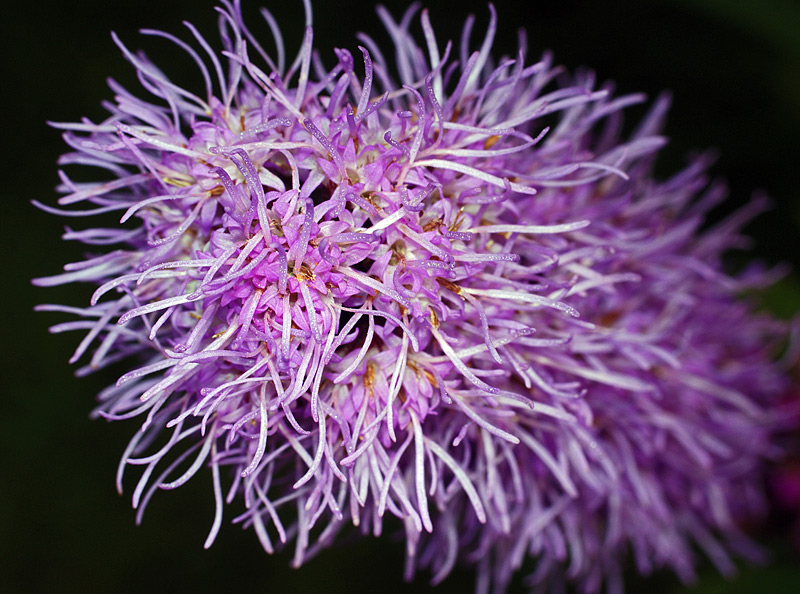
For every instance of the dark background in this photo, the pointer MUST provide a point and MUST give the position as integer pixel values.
(734, 70)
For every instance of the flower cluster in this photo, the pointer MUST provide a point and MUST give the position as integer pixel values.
(457, 298)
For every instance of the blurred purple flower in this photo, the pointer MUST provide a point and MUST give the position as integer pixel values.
(458, 299)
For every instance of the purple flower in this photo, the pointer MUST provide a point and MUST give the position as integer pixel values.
(447, 291)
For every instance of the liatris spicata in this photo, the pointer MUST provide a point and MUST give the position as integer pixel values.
(445, 290)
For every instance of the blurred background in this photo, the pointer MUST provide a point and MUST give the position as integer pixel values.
(733, 67)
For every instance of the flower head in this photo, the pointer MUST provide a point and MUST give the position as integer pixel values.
(448, 292)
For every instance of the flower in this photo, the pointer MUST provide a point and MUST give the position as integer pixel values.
(459, 299)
